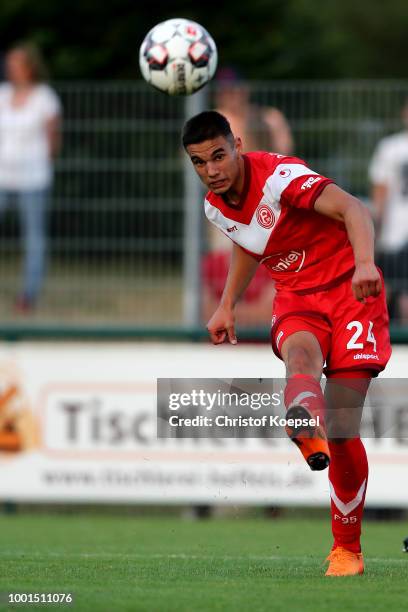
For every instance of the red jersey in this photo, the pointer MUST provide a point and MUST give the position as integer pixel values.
(276, 223)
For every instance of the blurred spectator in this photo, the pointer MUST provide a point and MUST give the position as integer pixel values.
(29, 139)
(260, 128)
(388, 174)
(255, 307)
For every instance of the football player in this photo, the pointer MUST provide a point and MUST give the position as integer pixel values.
(329, 313)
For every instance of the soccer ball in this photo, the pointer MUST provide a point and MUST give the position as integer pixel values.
(178, 57)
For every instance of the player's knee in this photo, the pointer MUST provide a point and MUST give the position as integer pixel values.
(341, 430)
(302, 361)
(338, 440)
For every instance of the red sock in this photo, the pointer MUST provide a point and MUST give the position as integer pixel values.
(348, 473)
(304, 390)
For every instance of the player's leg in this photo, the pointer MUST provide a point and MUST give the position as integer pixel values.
(348, 472)
(303, 357)
(360, 347)
(33, 209)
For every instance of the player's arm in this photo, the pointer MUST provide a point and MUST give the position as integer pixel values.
(341, 206)
(242, 268)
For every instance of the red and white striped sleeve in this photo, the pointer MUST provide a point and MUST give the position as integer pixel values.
(292, 183)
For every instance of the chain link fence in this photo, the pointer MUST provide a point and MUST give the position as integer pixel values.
(117, 217)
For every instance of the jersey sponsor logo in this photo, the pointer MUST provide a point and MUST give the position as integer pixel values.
(285, 172)
(310, 182)
(232, 229)
(265, 216)
(282, 262)
(365, 356)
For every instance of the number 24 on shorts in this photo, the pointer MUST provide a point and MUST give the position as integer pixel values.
(359, 327)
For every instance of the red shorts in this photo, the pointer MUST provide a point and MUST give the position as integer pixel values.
(352, 335)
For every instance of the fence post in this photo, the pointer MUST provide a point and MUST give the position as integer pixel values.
(192, 237)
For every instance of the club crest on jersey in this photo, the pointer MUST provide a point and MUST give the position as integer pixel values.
(265, 216)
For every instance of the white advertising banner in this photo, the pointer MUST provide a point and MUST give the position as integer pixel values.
(78, 424)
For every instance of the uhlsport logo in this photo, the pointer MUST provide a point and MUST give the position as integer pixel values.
(265, 216)
(310, 182)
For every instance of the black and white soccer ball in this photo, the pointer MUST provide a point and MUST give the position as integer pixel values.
(178, 57)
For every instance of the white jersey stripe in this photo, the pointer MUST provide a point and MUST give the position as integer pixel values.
(252, 237)
(281, 178)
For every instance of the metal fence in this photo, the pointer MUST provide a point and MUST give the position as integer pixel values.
(121, 248)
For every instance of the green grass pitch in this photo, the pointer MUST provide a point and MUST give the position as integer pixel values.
(168, 564)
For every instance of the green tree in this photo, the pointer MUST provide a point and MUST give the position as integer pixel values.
(264, 38)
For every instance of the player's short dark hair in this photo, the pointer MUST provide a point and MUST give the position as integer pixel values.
(205, 126)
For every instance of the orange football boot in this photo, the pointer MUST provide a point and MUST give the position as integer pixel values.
(343, 562)
(311, 440)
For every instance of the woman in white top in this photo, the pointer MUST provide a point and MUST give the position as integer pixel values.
(30, 114)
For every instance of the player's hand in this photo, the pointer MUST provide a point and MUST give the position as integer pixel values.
(221, 326)
(366, 281)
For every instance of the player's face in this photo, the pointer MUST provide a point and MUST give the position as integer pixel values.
(217, 163)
